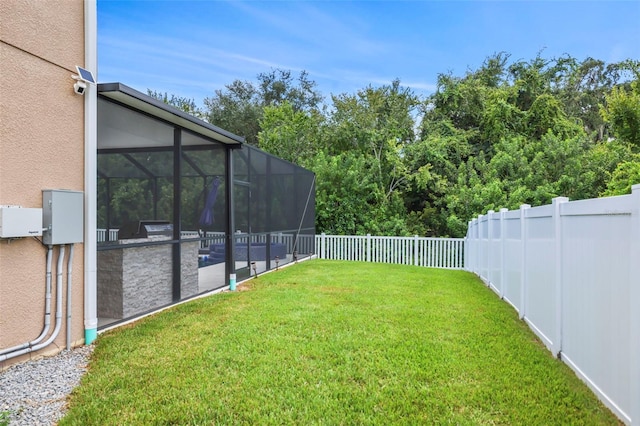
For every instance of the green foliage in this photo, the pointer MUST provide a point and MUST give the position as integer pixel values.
(529, 137)
(240, 106)
(499, 136)
(279, 86)
(237, 109)
(546, 115)
(622, 112)
(4, 418)
(592, 171)
(291, 135)
(624, 176)
(346, 196)
(501, 117)
(184, 104)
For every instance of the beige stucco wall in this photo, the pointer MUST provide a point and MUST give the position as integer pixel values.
(41, 147)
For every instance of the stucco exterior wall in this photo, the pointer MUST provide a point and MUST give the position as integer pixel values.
(41, 147)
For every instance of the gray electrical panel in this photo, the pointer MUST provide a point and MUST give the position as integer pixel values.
(62, 216)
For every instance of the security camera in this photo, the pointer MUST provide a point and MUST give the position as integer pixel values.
(82, 78)
(79, 87)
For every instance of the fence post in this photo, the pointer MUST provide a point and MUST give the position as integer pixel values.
(523, 258)
(465, 250)
(489, 240)
(415, 250)
(502, 251)
(557, 237)
(466, 260)
(473, 247)
(322, 245)
(634, 302)
(476, 244)
(479, 243)
(368, 248)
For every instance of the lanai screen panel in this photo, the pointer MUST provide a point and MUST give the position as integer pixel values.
(203, 208)
(136, 248)
(162, 212)
(279, 216)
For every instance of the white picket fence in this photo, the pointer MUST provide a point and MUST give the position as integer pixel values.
(419, 251)
(102, 235)
(572, 271)
(212, 237)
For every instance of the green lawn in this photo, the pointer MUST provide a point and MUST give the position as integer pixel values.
(328, 342)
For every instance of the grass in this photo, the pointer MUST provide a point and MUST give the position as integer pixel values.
(327, 342)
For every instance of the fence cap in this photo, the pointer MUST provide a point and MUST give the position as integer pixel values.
(559, 200)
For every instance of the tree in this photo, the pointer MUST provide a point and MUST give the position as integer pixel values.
(187, 105)
(240, 106)
(460, 102)
(378, 122)
(589, 175)
(624, 176)
(289, 134)
(279, 86)
(236, 109)
(434, 167)
(369, 132)
(622, 112)
(346, 197)
(583, 89)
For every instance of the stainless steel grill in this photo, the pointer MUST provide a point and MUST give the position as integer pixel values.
(146, 229)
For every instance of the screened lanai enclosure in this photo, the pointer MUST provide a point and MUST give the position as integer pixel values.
(184, 205)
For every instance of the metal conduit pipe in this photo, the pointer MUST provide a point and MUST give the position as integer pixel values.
(47, 309)
(56, 330)
(69, 270)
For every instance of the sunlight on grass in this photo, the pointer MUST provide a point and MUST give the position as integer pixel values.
(327, 342)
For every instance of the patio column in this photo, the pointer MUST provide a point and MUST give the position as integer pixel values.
(177, 213)
(230, 261)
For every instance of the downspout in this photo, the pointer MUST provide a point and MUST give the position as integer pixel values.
(90, 176)
(56, 330)
(47, 310)
(69, 296)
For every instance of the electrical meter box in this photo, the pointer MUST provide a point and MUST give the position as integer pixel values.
(17, 222)
(63, 216)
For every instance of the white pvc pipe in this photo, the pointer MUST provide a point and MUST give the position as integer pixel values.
(69, 295)
(56, 330)
(59, 275)
(47, 309)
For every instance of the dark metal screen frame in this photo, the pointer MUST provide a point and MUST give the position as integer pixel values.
(261, 169)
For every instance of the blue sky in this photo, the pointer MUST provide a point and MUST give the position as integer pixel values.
(192, 48)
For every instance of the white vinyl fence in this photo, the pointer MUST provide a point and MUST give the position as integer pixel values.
(418, 251)
(572, 271)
